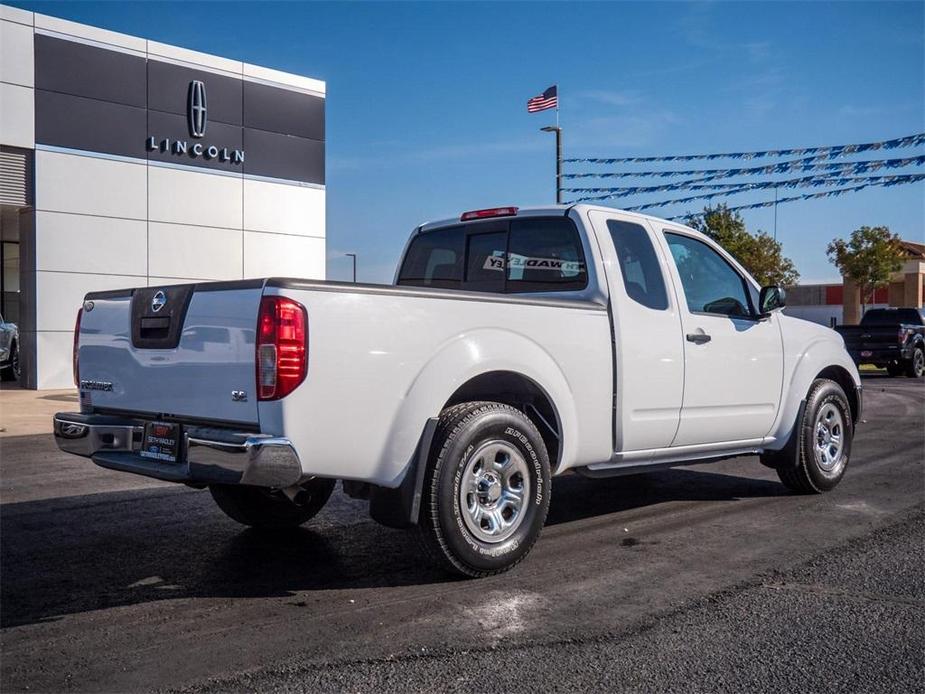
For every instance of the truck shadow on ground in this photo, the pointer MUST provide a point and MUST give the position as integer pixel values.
(78, 554)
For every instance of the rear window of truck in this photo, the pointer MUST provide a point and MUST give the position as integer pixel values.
(887, 316)
(533, 254)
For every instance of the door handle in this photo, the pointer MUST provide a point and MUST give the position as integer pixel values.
(698, 338)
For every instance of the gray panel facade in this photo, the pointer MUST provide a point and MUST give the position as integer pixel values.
(283, 156)
(97, 73)
(100, 100)
(64, 120)
(283, 111)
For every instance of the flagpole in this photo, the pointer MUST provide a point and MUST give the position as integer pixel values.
(558, 151)
(558, 131)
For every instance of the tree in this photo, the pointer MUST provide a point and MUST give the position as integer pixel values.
(869, 257)
(760, 254)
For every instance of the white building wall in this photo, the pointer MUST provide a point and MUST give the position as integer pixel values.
(107, 222)
(823, 314)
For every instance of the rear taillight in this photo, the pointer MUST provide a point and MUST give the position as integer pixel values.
(75, 356)
(282, 347)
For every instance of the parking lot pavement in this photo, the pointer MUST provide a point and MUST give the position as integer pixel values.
(704, 578)
(850, 619)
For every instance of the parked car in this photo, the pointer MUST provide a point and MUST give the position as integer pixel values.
(890, 338)
(515, 345)
(9, 351)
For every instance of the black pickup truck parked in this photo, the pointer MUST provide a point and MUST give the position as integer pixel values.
(891, 338)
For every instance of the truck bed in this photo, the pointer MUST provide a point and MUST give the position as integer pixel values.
(378, 356)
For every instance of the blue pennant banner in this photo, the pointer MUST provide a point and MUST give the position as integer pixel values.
(806, 164)
(829, 152)
(730, 188)
(887, 181)
(810, 196)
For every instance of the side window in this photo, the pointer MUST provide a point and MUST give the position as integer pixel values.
(545, 255)
(485, 262)
(434, 259)
(642, 276)
(711, 285)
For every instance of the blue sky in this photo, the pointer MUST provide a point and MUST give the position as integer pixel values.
(426, 102)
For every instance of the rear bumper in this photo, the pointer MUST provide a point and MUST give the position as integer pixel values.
(207, 456)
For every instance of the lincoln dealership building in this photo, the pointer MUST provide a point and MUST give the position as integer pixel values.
(126, 162)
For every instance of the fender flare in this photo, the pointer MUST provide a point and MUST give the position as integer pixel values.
(815, 357)
(459, 360)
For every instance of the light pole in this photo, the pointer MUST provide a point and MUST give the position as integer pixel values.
(558, 131)
(353, 256)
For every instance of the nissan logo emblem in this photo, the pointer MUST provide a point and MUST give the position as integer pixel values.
(197, 108)
(158, 301)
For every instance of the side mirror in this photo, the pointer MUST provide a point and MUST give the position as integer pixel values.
(772, 298)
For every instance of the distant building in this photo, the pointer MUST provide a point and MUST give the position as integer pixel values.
(840, 303)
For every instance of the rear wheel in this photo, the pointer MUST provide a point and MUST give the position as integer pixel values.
(486, 491)
(915, 367)
(824, 444)
(260, 507)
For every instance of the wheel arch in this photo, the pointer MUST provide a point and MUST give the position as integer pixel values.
(821, 358)
(517, 390)
(486, 364)
(843, 378)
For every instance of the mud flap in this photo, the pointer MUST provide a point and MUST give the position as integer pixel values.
(401, 507)
(786, 458)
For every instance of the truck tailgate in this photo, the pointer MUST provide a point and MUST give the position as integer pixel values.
(861, 338)
(183, 359)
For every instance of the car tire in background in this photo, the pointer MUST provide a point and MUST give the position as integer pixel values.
(11, 372)
(822, 448)
(264, 508)
(915, 367)
(486, 489)
(895, 369)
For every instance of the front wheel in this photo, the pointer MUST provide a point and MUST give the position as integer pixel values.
(824, 444)
(264, 508)
(486, 491)
(915, 367)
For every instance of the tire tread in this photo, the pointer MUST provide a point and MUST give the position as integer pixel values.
(451, 422)
(797, 478)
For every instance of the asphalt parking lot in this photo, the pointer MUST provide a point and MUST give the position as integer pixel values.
(709, 578)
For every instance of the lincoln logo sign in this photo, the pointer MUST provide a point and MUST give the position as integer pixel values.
(196, 111)
(196, 116)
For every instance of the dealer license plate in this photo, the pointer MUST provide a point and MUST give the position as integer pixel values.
(161, 441)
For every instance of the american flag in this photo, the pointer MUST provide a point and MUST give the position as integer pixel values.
(546, 100)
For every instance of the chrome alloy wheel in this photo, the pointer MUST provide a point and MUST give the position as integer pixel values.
(918, 363)
(829, 444)
(493, 491)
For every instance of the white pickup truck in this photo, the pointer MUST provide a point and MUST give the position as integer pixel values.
(515, 345)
